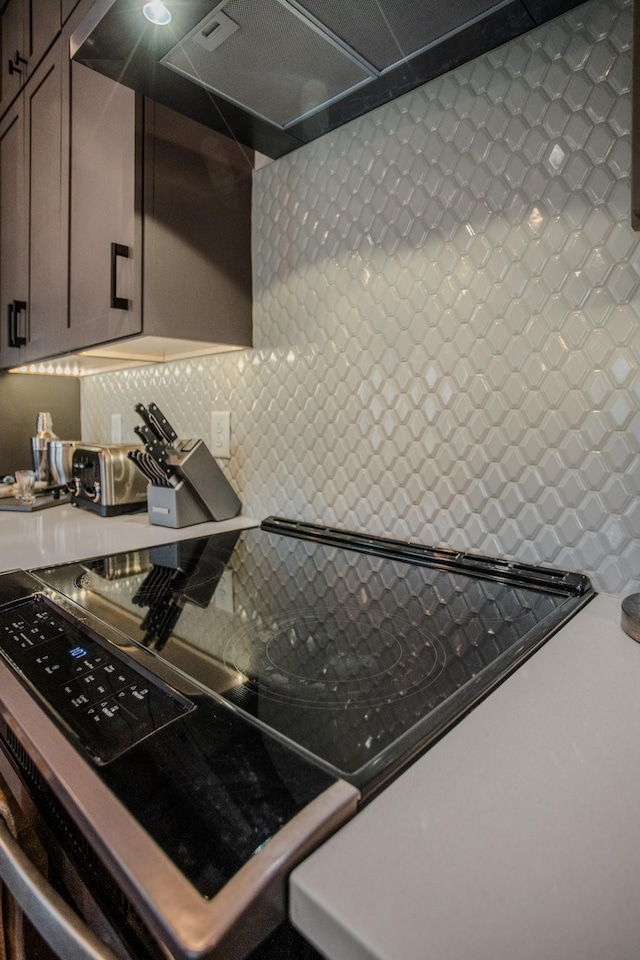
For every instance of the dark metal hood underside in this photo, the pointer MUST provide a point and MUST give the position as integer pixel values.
(276, 74)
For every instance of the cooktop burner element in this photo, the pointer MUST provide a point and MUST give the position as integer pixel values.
(318, 658)
(357, 651)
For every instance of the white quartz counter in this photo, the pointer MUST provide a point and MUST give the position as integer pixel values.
(63, 533)
(516, 837)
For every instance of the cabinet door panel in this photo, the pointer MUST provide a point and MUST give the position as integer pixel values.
(102, 208)
(197, 230)
(13, 228)
(67, 7)
(12, 74)
(44, 27)
(46, 118)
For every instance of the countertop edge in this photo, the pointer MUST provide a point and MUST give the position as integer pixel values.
(65, 534)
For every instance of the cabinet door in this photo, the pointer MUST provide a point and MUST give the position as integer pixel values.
(13, 236)
(197, 231)
(103, 175)
(28, 28)
(44, 26)
(13, 70)
(46, 117)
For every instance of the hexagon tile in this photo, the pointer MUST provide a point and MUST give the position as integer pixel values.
(446, 317)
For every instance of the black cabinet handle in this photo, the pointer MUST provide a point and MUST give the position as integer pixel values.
(14, 65)
(13, 313)
(10, 330)
(117, 250)
(18, 307)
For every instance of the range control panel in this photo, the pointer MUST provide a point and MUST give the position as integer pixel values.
(105, 701)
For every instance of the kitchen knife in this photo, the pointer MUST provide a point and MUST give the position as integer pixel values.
(161, 425)
(157, 452)
(158, 474)
(148, 467)
(135, 456)
(147, 419)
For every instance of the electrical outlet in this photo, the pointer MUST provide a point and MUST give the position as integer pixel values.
(221, 434)
(116, 428)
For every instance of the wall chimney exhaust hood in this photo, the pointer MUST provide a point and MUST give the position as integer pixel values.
(276, 74)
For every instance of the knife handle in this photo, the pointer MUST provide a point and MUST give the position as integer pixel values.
(144, 414)
(156, 451)
(160, 423)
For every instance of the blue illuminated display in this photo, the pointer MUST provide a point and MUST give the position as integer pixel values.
(78, 652)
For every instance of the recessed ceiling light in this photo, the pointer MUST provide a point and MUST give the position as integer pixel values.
(156, 12)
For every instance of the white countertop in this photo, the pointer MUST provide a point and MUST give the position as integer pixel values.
(63, 533)
(516, 837)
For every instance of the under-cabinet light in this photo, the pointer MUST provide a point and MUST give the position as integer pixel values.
(125, 354)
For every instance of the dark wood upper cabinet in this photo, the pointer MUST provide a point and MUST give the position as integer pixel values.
(102, 211)
(46, 106)
(160, 228)
(124, 227)
(13, 73)
(196, 224)
(28, 29)
(33, 214)
(14, 252)
(43, 24)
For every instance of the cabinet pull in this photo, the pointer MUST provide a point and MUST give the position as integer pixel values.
(13, 313)
(117, 250)
(10, 330)
(14, 65)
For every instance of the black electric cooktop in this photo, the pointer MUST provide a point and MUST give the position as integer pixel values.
(357, 651)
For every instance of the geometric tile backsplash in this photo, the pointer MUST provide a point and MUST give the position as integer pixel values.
(446, 317)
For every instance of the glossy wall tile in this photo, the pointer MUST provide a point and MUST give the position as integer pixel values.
(446, 320)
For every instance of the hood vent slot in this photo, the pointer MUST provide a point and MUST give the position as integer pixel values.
(283, 61)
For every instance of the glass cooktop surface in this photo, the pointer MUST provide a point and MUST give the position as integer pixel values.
(357, 650)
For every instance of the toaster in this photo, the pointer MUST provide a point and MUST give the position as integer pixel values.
(106, 481)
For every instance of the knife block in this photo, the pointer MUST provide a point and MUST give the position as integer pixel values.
(192, 461)
(174, 506)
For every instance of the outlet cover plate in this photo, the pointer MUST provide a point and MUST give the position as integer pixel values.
(221, 434)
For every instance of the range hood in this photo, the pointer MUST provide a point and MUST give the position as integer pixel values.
(276, 74)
